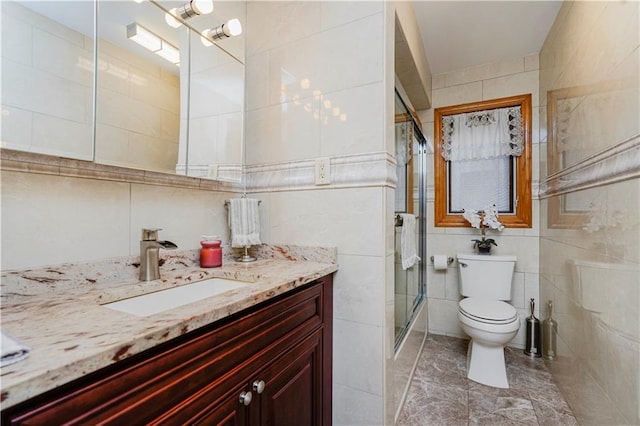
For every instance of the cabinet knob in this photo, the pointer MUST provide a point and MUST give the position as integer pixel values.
(258, 386)
(245, 398)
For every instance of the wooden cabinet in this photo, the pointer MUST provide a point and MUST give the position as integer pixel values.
(268, 365)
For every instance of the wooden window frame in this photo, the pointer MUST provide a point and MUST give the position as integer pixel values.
(523, 214)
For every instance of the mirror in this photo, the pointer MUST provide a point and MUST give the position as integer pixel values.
(580, 125)
(183, 115)
(47, 78)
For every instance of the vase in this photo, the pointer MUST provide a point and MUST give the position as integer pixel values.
(484, 250)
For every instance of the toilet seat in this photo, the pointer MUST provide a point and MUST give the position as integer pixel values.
(487, 311)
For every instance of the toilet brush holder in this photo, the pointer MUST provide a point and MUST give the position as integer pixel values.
(533, 347)
(549, 332)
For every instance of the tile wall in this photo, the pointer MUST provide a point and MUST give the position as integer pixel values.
(513, 76)
(49, 220)
(589, 246)
(320, 84)
(299, 108)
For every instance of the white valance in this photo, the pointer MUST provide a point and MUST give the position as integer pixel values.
(482, 134)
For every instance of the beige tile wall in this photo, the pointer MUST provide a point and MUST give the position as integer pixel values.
(513, 76)
(589, 267)
(48, 220)
(302, 105)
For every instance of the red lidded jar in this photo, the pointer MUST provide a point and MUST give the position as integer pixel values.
(210, 254)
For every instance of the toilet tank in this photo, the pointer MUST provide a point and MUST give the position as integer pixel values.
(486, 276)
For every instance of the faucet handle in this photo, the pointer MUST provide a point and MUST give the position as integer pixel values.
(150, 234)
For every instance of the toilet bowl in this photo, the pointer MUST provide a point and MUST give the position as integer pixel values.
(491, 324)
(484, 315)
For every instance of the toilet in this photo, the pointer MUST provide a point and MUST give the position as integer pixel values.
(485, 315)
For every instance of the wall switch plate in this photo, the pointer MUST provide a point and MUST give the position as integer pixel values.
(212, 172)
(323, 171)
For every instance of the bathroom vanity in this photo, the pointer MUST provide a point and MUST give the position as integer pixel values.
(268, 363)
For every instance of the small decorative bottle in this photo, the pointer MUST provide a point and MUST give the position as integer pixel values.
(549, 333)
(211, 252)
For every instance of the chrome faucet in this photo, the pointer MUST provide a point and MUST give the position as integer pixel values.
(149, 254)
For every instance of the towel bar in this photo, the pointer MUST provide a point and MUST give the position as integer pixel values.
(399, 220)
(246, 257)
(226, 203)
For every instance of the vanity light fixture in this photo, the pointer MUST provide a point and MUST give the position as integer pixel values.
(169, 52)
(153, 42)
(188, 10)
(231, 28)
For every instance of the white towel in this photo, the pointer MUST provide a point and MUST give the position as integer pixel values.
(12, 351)
(408, 249)
(244, 222)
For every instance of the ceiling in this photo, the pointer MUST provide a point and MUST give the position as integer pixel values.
(461, 34)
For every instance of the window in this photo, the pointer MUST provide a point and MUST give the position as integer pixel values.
(469, 174)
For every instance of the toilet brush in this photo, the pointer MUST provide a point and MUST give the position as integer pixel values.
(533, 348)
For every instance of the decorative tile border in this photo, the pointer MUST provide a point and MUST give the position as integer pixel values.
(359, 170)
(612, 165)
(30, 162)
(349, 171)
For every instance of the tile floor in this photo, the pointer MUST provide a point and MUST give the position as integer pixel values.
(440, 393)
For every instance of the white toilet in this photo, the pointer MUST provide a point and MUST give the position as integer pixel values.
(485, 284)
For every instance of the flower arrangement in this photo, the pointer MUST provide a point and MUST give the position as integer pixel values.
(484, 219)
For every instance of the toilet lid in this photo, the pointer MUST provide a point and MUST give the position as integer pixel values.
(491, 311)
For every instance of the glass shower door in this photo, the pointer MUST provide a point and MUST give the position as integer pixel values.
(409, 199)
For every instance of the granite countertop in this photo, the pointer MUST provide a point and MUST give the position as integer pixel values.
(58, 314)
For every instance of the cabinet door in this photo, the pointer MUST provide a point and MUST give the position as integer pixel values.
(231, 411)
(292, 394)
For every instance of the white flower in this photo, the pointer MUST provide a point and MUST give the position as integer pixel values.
(491, 218)
(472, 217)
(487, 218)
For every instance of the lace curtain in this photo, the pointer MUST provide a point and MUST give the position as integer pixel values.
(482, 134)
(404, 139)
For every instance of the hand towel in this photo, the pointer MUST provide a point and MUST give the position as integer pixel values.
(12, 351)
(244, 222)
(408, 250)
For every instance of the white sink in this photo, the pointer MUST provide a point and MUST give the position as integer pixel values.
(164, 300)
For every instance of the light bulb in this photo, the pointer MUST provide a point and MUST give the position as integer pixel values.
(202, 7)
(170, 20)
(188, 10)
(233, 27)
(204, 40)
